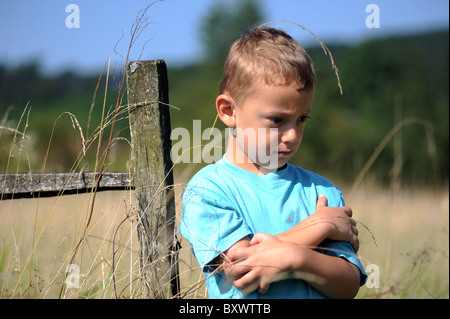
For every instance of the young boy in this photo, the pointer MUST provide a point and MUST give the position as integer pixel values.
(258, 226)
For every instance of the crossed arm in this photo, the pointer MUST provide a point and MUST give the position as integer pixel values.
(255, 264)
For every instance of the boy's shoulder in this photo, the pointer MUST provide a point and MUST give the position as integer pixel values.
(209, 178)
(206, 174)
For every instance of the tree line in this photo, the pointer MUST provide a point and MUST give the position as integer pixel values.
(394, 89)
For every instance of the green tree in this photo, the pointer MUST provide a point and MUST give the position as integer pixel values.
(225, 22)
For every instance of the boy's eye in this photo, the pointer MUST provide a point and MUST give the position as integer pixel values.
(302, 119)
(276, 120)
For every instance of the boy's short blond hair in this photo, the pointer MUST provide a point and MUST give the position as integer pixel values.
(269, 55)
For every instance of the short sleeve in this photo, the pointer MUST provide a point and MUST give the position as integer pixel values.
(210, 222)
(343, 250)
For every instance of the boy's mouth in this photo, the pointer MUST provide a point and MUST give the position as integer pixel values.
(286, 153)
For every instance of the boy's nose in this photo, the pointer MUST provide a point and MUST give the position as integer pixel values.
(291, 135)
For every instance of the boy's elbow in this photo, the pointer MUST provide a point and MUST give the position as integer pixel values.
(353, 291)
(353, 282)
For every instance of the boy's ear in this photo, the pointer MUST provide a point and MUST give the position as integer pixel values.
(225, 109)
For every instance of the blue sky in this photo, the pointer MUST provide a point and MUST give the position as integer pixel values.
(36, 29)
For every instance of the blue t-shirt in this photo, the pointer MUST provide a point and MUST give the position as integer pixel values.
(223, 203)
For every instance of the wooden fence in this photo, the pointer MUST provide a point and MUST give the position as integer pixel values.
(152, 179)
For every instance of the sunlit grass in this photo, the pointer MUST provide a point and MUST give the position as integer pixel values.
(410, 229)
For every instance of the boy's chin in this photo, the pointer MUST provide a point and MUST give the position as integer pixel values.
(272, 167)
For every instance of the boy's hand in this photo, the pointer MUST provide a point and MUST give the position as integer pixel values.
(266, 260)
(335, 223)
(341, 225)
(269, 259)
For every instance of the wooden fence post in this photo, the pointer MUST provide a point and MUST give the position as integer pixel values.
(148, 99)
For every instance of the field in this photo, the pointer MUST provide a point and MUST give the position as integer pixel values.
(67, 247)
(407, 238)
(403, 233)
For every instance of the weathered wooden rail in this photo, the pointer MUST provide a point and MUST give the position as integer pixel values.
(32, 185)
(151, 179)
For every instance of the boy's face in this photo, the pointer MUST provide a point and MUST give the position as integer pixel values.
(277, 115)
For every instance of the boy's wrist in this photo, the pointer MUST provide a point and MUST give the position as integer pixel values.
(298, 259)
(308, 234)
(324, 229)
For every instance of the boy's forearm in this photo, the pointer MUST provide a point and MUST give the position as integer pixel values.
(305, 235)
(333, 223)
(269, 259)
(333, 277)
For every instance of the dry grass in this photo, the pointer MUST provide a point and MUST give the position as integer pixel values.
(110, 238)
(411, 247)
(39, 238)
(63, 221)
(410, 229)
(403, 232)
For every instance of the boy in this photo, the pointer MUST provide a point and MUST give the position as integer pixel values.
(262, 221)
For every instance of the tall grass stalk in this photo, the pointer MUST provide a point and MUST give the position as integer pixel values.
(386, 140)
(193, 280)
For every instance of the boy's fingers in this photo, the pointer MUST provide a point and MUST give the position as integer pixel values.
(263, 288)
(256, 239)
(237, 270)
(321, 201)
(247, 282)
(355, 244)
(259, 238)
(355, 230)
(348, 211)
(240, 254)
